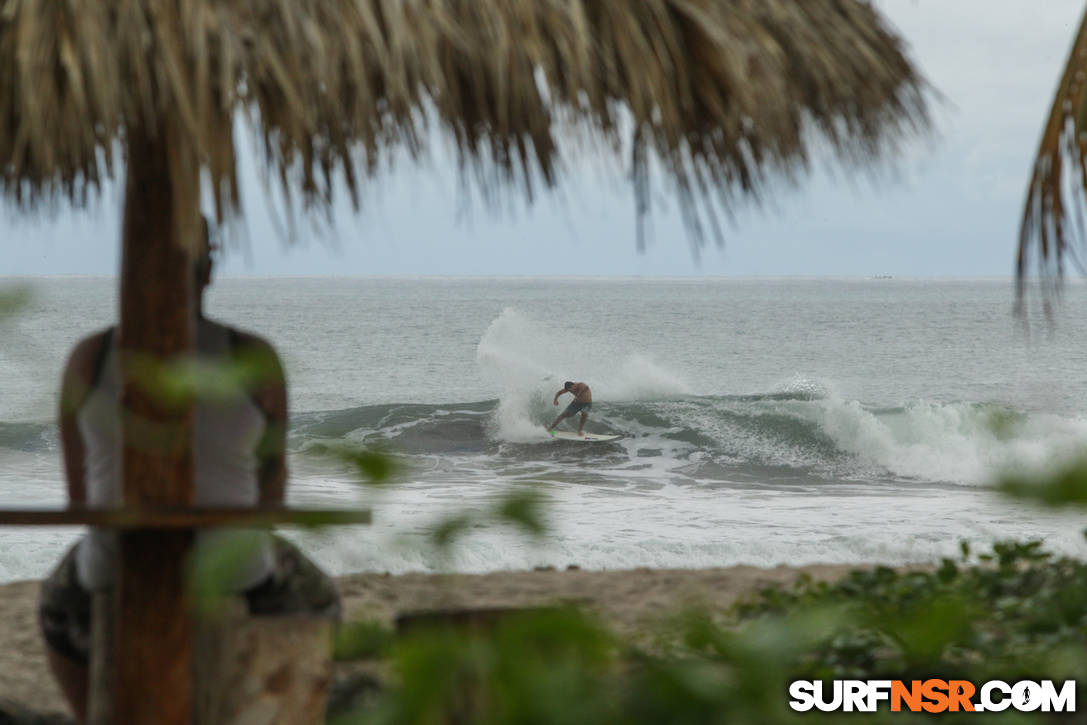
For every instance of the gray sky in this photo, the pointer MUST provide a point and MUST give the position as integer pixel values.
(951, 207)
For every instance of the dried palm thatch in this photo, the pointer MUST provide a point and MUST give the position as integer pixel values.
(1053, 226)
(724, 93)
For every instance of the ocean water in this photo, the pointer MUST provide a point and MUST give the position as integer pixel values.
(766, 421)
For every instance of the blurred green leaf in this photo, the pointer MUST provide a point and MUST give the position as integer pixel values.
(543, 666)
(449, 529)
(177, 383)
(214, 567)
(13, 299)
(1003, 422)
(377, 467)
(374, 467)
(524, 509)
(364, 639)
(928, 628)
(1066, 487)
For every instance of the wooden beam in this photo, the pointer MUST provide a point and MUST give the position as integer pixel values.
(181, 517)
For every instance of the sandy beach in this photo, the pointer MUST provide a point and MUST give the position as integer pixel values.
(627, 600)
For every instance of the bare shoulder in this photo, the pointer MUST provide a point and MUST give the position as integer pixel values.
(80, 371)
(86, 353)
(259, 351)
(244, 339)
(255, 343)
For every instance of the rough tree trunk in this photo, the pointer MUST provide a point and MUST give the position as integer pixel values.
(153, 630)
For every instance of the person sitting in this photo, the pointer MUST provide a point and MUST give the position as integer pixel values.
(239, 459)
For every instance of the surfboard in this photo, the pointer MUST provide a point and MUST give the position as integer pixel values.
(587, 438)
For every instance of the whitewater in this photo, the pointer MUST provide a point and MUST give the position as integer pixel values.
(764, 421)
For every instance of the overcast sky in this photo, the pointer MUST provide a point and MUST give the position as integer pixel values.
(951, 208)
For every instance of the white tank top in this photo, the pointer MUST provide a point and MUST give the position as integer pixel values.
(226, 432)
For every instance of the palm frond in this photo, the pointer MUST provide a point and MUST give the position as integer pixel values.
(724, 93)
(1053, 227)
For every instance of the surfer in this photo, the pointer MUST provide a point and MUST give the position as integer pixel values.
(583, 403)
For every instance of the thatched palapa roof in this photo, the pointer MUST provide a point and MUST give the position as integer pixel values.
(723, 92)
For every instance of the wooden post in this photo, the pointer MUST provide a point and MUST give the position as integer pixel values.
(274, 670)
(153, 627)
(275, 665)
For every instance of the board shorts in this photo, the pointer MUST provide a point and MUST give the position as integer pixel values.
(295, 586)
(575, 408)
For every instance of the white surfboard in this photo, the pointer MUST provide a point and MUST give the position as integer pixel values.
(587, 438)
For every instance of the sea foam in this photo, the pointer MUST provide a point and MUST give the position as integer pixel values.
(957, 442)
(528, 360)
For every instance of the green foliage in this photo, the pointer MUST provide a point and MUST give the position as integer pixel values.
(522, 509)
(1015, 613)
(1007, 613)
(529, 668)
(372, 467)
(1065, 487)
(213, 569)
(448, 530)
(364, 639)
(1004, 423)
(13, 299)
(178, 383)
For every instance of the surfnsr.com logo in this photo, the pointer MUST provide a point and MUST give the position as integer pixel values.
(932, 695)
